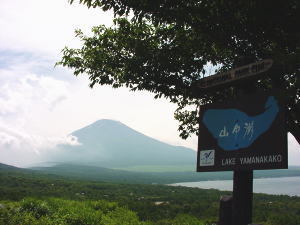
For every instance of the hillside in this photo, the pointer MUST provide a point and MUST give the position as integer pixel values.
(94, 173)
(5, 167)
(108, 143)
(57, 200)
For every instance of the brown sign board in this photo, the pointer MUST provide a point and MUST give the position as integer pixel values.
(243, 134)
(237, 74)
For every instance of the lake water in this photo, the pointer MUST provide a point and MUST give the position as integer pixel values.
(278, 186)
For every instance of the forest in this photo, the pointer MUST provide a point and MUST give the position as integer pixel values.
(33, 198)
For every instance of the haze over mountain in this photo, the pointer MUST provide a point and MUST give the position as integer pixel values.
(108, 143)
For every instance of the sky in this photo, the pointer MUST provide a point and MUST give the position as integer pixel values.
(40, 104)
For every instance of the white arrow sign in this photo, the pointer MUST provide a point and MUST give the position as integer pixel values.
(235, 74)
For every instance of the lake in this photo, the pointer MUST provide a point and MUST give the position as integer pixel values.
(278, 186)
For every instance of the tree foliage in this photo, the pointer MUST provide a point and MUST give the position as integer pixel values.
(165, 46)
(44, 199)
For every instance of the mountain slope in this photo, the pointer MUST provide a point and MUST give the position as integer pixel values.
(93, 173)
(109, 143)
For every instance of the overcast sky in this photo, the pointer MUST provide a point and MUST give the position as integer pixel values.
(41, 104)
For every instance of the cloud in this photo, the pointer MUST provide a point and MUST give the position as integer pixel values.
(70, 140)
(13, 139)
(27, 100)
(44, 26)
(21, 93)
(22, 149)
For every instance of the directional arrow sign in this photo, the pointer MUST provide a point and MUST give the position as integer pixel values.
(236, 74)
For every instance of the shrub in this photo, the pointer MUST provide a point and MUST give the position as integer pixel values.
(37, 208)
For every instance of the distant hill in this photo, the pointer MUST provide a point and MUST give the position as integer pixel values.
(99, 174)
(108, 143)
(5, 167)
(94, 173)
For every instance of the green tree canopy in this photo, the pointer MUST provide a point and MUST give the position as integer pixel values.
(165, 47)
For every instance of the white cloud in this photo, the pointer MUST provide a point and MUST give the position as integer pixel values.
(13, 139)
(42, 26)
(25, 95)
(26, 101)
(22, 149)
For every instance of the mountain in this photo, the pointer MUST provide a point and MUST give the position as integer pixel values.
(108, 143)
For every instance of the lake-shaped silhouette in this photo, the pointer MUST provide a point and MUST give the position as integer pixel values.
(234, 129)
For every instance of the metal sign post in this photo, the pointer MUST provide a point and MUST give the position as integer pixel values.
(242, 197)
(242, 201)
(241, 135)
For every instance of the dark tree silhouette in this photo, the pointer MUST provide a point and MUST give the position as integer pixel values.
(165, 46)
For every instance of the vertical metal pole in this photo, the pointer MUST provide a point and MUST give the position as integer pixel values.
(242, 197)
(243, 179)
(225, 211)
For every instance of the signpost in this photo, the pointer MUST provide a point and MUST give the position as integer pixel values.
(241, 134)
(232, 76)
